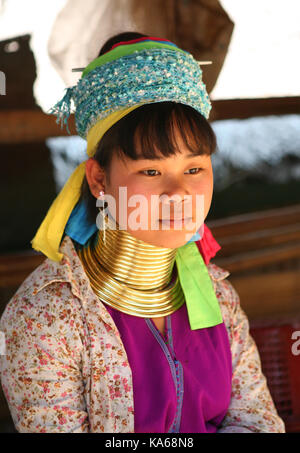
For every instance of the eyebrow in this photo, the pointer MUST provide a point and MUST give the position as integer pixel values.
(188, 156)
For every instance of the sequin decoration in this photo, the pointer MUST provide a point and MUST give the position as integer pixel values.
(145, 76)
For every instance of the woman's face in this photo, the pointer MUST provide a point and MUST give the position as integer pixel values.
(143, 191)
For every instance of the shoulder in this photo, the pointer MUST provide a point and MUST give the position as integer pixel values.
(225, 291)
(227, 296)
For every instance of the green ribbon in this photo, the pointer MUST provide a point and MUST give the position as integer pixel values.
(201, 301)
(125, 50)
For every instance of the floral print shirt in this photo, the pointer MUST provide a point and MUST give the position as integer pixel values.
(63, 351)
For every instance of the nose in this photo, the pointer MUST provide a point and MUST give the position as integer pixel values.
(174, 192)
(174, 199)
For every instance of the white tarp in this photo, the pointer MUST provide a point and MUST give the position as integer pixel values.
(81, 28)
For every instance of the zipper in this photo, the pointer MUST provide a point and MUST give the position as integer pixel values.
(175, 367)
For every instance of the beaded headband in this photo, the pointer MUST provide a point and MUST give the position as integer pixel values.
(129, 75)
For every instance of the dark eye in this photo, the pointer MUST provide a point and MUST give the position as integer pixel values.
(144, 172)
(198, 169)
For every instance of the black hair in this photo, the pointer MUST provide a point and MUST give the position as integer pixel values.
(153, 127)
(126, 36)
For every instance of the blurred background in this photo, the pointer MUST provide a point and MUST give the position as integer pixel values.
(255, 91)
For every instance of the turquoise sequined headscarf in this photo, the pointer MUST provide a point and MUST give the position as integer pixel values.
(143, 72)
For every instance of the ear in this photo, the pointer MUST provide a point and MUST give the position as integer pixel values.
(95, 176)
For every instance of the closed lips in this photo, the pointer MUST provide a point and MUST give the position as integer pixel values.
(187, 218)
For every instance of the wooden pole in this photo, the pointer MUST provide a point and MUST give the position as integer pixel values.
(27, 126)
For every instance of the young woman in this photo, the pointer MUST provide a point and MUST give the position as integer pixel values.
(127, 326)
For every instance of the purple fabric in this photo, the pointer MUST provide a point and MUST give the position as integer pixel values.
(181, 383)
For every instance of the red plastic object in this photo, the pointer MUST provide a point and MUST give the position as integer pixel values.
(279, 349)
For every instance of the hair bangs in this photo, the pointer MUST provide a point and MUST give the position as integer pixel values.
(149, 132)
